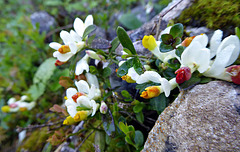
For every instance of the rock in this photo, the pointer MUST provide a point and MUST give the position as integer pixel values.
(44, 19)
(205, 118)
(199, 30)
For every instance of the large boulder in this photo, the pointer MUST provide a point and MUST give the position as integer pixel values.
(205, 118)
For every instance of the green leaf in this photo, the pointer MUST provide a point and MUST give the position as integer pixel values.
(130, 21)
(179, 51)
(127, 51)
(165, 48)
(123, 69)
(140, 117)
(176, 30)
(237, 31)
(137, 65)
(123, 127)
(167, 38)
(36, 90)
(82, 108)
(176, 42)
(159, 103)
(139, 138)
(73, 66)
(88, 30)
(205, 80)
(90, 39)
(106, 72)
(131, 131)
(126, 94)
(114, 45)
(99, 140)
(138, 108)
(93, 69)
(190, 83)
(128, 140)
(125, 40)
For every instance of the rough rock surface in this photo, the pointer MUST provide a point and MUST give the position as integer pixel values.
(205, 118)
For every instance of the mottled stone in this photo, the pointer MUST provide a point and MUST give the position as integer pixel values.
(205, 118)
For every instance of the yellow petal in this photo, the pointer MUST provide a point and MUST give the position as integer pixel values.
(5, 109)
(149, 42)
(81, 115)
(151, 92)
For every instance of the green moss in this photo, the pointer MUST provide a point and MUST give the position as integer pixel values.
(36, 140)
(214, 14)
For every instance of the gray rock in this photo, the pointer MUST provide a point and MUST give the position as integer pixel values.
(205, 118)
(44, 19)
(199, 30)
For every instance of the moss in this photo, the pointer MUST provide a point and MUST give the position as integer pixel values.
(36, 140)
(214, 14)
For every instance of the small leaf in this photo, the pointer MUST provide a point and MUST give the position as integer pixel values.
(179, 51)
(106, 72)
(57, 108)
(73, 66)
(130, 21)
(137, 65)
(190, 83)
(66, 82)
(114, 45)
(93, 69)
(167, 38)
(159, 103)
(139, 138)
(90, 39)
(128, 140)
(126, 94)
(176, 42)
(140, 117)
(100, 44)
(127, 51)
(131, 131)
(125, 40)
(88, 30)
(138, 108)
(123, 127)
(165, 48)
(123, 69)
(205, 80)
(176, 30)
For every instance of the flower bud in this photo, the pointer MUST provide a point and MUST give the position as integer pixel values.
(149, 42)
(103, 107)
(5, 109)
(64, 49)
(80, 115)
(234, 71)
(187, 41)
(58, 63)
(69, 121)
(128, 79)
(94, 55)
(183, 74)
(151, 92)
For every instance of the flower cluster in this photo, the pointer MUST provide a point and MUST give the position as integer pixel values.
(18, 105)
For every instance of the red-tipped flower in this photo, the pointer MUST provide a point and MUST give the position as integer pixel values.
(234, 71)
(183, 74)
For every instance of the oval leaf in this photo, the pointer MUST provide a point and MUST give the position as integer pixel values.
(176, 30)
(166, 38)
(88, 30)
(165, 48)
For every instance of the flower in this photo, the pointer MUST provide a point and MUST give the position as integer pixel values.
(83, 98)
(80, 27)
(152, 91)
(82, 65)
(152, 45)
(94, 55)
(72, 44)
(103, 107)
(183, 74)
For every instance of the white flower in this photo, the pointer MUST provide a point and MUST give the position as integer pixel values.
(196, 56)
(82, 65)
(73, 44)
(20, 104)
(83, 96)
(80, 27)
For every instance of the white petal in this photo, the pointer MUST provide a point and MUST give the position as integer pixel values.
(215, 42)
(24, 98)
(166, 86)
(72, 110)
(75, 36)
(149, 76)
(88, 21)
(21, 136)
(63, 57)
(84, 101)
(55, 45)
(70, 102)
(73, 47)
(133, 74)
(82, 86)
(203, 60)
(92, 79)
(66, 37)
(94, 107)
(78, 26)
(70, 92)
(31, 105)
(157, 53)
(202, 39)
(11, 100)
(220, 61)
(82, 65)
(234, 40)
